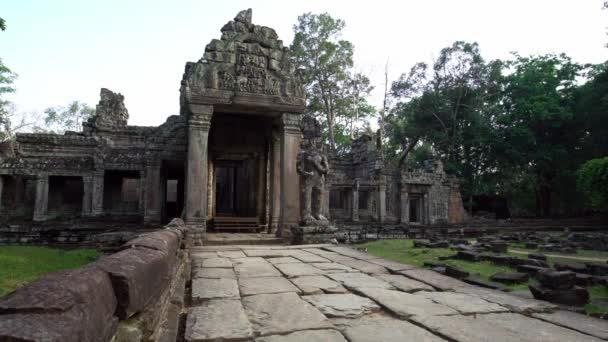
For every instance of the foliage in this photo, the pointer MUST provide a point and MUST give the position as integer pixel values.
(2, 24)
(7, 78)
(68, 118)
(592, 179)
(22, 264)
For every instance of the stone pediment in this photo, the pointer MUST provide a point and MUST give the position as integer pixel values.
(248, 67)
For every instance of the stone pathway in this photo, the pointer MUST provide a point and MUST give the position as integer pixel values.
(335, 293)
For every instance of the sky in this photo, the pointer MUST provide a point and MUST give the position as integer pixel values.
(66, 50)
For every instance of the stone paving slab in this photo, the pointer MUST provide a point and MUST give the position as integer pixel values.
(306, 336)
(266, 253)
(350, 252)
(375, 328)
(306, 256)
(231, 254)
(589, 325)
(404, 304)
(404, 283)
(284, 260)
(345, 305)
(262, 285)
(364, 266)
(204, 255)
(394, 266)
(217, 262)
(318, 251)
(213, 273)
(218, 320)
(317, 284)
(356, 280)
(434, 279)
(282, 313)
(298, 270)
(204, 289)
(513, 303)
(463, 303)
(333, 267)
(256, 269)
(499, 327)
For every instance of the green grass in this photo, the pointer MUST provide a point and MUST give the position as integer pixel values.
(22, 264)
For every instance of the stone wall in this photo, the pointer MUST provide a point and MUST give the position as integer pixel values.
(135, 294)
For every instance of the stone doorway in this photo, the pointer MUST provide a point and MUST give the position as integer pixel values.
(173, 189)
(416, 209)
(234, 188)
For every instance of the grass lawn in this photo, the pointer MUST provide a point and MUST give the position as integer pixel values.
(22, 264)
(404, 251)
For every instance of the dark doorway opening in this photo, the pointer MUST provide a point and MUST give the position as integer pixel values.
(415, 210)
(234, 188)
(121, 192)
(65, 196)
(173, 203)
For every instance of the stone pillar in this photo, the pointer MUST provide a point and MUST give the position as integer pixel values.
(261, 188)
(381, 202)
(290, 180)
(141, 205)
(425, 209)
(152, 210)
(355, 203)
(325, 202)
(97, 193)
(196, 171)
(210, 189)
(42, 198)
(275, 182)
(87, 195)
(405, 207)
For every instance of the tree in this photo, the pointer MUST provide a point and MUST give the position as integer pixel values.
(592, 179)
(68, 118)
(7, 78)
(2, 24)
(325, 61)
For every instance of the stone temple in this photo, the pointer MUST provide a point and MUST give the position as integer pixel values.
(228, 160)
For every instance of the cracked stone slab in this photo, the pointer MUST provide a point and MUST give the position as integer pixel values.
(463, 303)
(405, 304)
(204, 255)
(298, 270)
(513, 303)
(434, 279)
(319, 251)
(356, 280)
(346, 305)
(218, 320)
(266, 253)
(325, 335)
(284, 260)
(382, 328)
(306, 256)
(317, 284)
(203, 289)
(231, 254)
(251, 269)
(350, 252)
(213, 273)
(404, 283)
(333, 267)
(282, 313)
(364, 266)
(394, 266)
(499, 327)
(589, 325)
(261, 285)
(217, 262)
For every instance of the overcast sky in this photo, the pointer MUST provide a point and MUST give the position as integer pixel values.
(68, 50)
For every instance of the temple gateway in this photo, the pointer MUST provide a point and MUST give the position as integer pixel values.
(228, 160)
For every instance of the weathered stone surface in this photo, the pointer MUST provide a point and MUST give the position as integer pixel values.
(434, 279)
(284, 260)
(306, 256)
(213, 273)
(163, 240)
(575, 296)
(356, 280)
(261, 285)
(557, 280)
(138, 275)
(333, 267)
(246, 269)
(456, 272)
(67, 305)
(404, 283)
(463, 303)
(266, 253)
(203, 255)
(510, 277)
(204, 289)
(363, 266)
(231, 254)
(282, 313)
(317, 284)
(350, 252)
(345, 305)
(405, 304)
(298, 270)
(588, 325)
(386, 329)
(394, 266)
(217, 262)
(218, 320)
(325, 335)
(513, 303)
(499, 327)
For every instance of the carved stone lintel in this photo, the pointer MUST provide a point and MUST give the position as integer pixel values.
(291, 123)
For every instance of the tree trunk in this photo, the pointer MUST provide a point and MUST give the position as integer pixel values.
(330, 129)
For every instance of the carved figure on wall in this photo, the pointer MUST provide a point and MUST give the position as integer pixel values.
(312, 166)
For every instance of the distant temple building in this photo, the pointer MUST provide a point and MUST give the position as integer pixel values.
(228, 160)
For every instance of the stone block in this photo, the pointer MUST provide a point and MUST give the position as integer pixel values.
(165, 241)
(317, 284)
(574, 296)
(455, 272)
(571, 266)
(218, 320)
(510, 277)
(557, 279)
(537, 256)
(346, 305)
(325, 335)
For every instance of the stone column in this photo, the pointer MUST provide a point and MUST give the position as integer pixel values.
(141, 205)
(196, 171)
(355, 203)
(325, 202)
(381, 202)
(405, 207)
(97, 193)
(152, 209)
(425, 209)
(275, 182)
(42, 198)
(261, 188)
(290, 180)
(87, 195)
